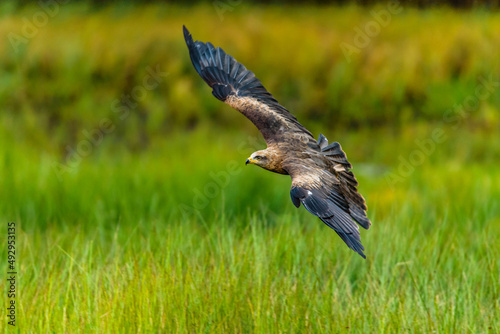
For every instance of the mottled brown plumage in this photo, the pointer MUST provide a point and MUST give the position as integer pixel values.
(321, 177)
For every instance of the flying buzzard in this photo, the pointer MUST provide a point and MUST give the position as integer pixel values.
(321, 177)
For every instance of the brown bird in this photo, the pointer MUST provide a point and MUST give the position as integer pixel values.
(321, 177)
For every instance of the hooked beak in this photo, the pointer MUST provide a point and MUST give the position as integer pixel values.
(250, 161)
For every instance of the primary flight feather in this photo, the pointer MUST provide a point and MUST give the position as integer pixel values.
(321, 177)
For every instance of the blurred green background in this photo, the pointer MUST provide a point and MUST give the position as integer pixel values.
(126, 177)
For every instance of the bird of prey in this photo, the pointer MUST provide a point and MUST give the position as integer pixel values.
(322, 179)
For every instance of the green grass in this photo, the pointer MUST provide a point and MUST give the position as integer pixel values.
(107, 249)
(161, 228)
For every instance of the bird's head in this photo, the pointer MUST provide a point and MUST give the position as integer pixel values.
(259, 158)
(268, 159)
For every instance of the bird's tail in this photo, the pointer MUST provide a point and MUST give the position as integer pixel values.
(357, 205)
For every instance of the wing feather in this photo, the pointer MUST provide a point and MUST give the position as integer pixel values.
(330, 206)
(233, 84)
(330, 197)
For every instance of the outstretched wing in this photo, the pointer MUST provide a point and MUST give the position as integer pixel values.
(233, 84)
(324, 194)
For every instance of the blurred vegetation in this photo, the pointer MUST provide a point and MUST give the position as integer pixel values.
(419, 3)
(75, 70)
(159, 226)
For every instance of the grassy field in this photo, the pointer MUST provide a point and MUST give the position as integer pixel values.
(108, 249)
(160, 228)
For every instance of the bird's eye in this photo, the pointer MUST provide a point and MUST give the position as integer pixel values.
(257, 157)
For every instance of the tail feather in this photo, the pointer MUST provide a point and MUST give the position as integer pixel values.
(322, 141)
(357, 207)
(335, 152)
